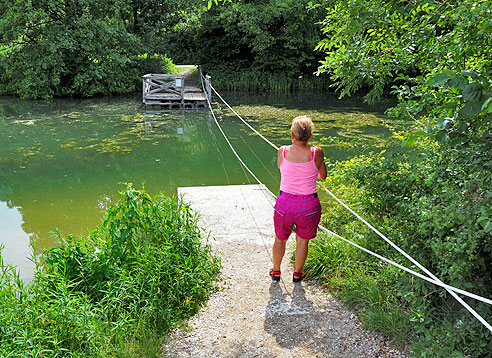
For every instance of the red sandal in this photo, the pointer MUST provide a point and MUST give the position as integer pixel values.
(297, 276)
(275, 275)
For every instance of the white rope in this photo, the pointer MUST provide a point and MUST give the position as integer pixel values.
(432, 278)
(436, 280)
(232, 148)
(438, 283)
(254, 130)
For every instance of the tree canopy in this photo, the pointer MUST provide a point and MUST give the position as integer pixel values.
(73, 47)
(436, 56)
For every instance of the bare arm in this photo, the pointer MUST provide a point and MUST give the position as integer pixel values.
(280, 156)
(319, 160)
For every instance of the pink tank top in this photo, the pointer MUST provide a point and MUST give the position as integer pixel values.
(298, 178)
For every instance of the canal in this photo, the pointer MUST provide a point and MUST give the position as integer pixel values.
(62, 162)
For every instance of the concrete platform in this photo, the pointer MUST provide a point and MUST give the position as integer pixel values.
(233, 213)
(249, 315)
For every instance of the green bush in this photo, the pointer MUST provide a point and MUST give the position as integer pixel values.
(155, 63)
(260, 45)
(435, 203)
(254, 80)
(114, 292)
(435, 206)
(77, 48)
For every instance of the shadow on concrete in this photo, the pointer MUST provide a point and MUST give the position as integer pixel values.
(291, 319)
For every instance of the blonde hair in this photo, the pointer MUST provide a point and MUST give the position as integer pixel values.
(302, 128)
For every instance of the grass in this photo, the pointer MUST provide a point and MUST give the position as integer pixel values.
(362, 284)
(414, 314)
(115, 292)
(182, 68)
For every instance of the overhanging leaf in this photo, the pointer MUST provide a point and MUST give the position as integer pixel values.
(469, 110)
(472, 92)
(440, 78)
(487, 105)
(488, 226)
(458, 81)
(412, 138)
(441, 136)
(470, 73)
(445, 123)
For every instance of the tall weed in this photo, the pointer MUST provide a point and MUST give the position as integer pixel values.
(255, 80)
(115, 292)
(437, 208)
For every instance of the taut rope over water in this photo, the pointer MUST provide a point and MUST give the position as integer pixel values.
(430, 278)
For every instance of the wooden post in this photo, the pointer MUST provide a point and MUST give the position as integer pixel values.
(200, 74)
(182, 92)
(143, 90)
(208, 89)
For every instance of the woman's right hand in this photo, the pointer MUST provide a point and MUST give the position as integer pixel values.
(319, 160)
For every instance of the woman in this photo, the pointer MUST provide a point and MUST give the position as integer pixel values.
(298, 203)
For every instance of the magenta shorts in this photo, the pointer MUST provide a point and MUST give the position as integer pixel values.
(302, 210)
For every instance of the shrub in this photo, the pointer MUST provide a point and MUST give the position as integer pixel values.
(155, 63)
(436, 207)
(114, 292)
(260, 45)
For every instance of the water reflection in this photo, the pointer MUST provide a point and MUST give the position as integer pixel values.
(15, 241)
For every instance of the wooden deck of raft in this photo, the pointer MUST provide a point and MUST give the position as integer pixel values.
(164, 91)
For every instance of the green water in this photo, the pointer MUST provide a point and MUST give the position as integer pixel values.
(62, 162)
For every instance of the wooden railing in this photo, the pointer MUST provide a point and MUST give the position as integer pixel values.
(169, 92)
(160, 87)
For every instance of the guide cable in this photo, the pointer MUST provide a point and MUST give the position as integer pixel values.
(430, 278)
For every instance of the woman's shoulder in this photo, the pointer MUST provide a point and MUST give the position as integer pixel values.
(317, 149)
(318, 153)
(284, 147)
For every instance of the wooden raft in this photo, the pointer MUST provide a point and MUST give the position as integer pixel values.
(163, 91)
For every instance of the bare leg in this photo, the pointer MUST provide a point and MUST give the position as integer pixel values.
(278, 253)
(301, 252)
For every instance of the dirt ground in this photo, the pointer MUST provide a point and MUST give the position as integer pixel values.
(252, 316)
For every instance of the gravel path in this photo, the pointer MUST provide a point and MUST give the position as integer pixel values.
(252, 316)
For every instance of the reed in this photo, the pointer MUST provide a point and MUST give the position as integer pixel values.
(279, 82)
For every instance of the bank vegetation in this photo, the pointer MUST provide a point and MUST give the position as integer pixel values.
(112, 293)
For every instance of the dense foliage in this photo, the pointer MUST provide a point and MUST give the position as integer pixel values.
(86, 48)
(436, 56)
(260, 45)
(442, 219)
(436, 202)
(116, 291)
(74, 47)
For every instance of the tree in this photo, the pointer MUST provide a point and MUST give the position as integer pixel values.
(259, 37)
(436, 57)
(71, 47)
(435, 54)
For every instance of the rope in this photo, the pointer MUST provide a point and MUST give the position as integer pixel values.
(254, 176)
(258, 158)
(254, 130)
(232, 148)
(469, 294)
(433, 279)
(452, 290)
